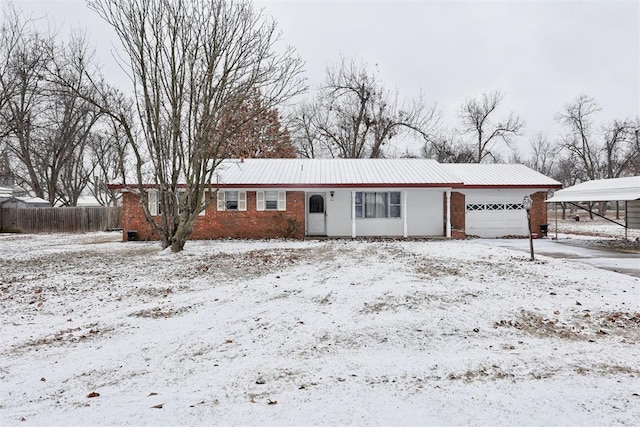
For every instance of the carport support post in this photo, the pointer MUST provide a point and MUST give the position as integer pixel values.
(555, 208)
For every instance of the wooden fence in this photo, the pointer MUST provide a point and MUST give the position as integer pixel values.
(60, 220)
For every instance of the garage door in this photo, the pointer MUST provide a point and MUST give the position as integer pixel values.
(496, 219)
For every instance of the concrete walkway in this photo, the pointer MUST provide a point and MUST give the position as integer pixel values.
(568, 248)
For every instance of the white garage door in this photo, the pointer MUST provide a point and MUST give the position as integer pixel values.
(496, 219)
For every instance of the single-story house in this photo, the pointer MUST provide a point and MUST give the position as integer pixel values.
(270, 198)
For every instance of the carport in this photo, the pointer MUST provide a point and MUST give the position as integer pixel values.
(625, 190)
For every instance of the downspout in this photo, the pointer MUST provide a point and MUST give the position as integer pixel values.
(448, 225)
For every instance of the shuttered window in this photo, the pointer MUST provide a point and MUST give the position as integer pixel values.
(271, 200)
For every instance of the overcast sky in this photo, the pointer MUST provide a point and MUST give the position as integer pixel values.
(541, 54)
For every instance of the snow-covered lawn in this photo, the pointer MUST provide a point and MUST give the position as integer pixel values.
(94, 331)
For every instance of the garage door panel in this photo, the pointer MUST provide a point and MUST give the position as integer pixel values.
(496, 223)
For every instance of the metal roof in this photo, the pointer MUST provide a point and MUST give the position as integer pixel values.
(335, 172)
(601, 190)
(500, 175)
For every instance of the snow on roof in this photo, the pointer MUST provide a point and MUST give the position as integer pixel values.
(32, 200)
(87, 201)
(601, 190)
(336, 172)
(503, 175)
(6, 191)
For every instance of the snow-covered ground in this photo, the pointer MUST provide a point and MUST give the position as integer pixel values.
(94, 331)
(597, 227)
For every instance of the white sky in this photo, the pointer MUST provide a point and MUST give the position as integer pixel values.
(541, 54)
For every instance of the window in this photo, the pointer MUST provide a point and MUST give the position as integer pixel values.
(475, 207)
(394, 205)
(494, 206)
(155, 208)
(271, 200)
(316, 204)
(179, 199)
(378, 205)
(232, 200)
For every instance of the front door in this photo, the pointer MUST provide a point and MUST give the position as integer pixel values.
(316, 218)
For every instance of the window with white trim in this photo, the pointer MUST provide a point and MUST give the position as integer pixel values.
(155, 207)
(232, 200)
(378, 204)
(271, 200)
(179, 195)
(153, 199)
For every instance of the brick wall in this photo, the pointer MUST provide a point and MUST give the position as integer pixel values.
(538, 211)
(458, 207)
(249, 224)
(458, 211)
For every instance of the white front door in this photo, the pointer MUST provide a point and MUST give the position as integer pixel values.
(316, 218)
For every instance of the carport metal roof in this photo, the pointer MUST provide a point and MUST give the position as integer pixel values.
(601, 190)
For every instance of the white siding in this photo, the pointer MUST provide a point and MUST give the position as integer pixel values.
(424, 215)
(425, 212)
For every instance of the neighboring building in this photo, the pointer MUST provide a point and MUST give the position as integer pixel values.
(6, 192)
(270, 198)
(24, 202)
(88, 202)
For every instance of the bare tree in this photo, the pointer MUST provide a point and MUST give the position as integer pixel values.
(354, 116)
(619, 148)
(191, 63)
(24, 59)
(305, 135)
(108, 153)
(448, 149)
(43, 125)
(476, 116)
(580, 141)
(634, 163)
(544, 154)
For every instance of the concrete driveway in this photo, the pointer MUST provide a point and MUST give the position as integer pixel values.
(567, 248)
